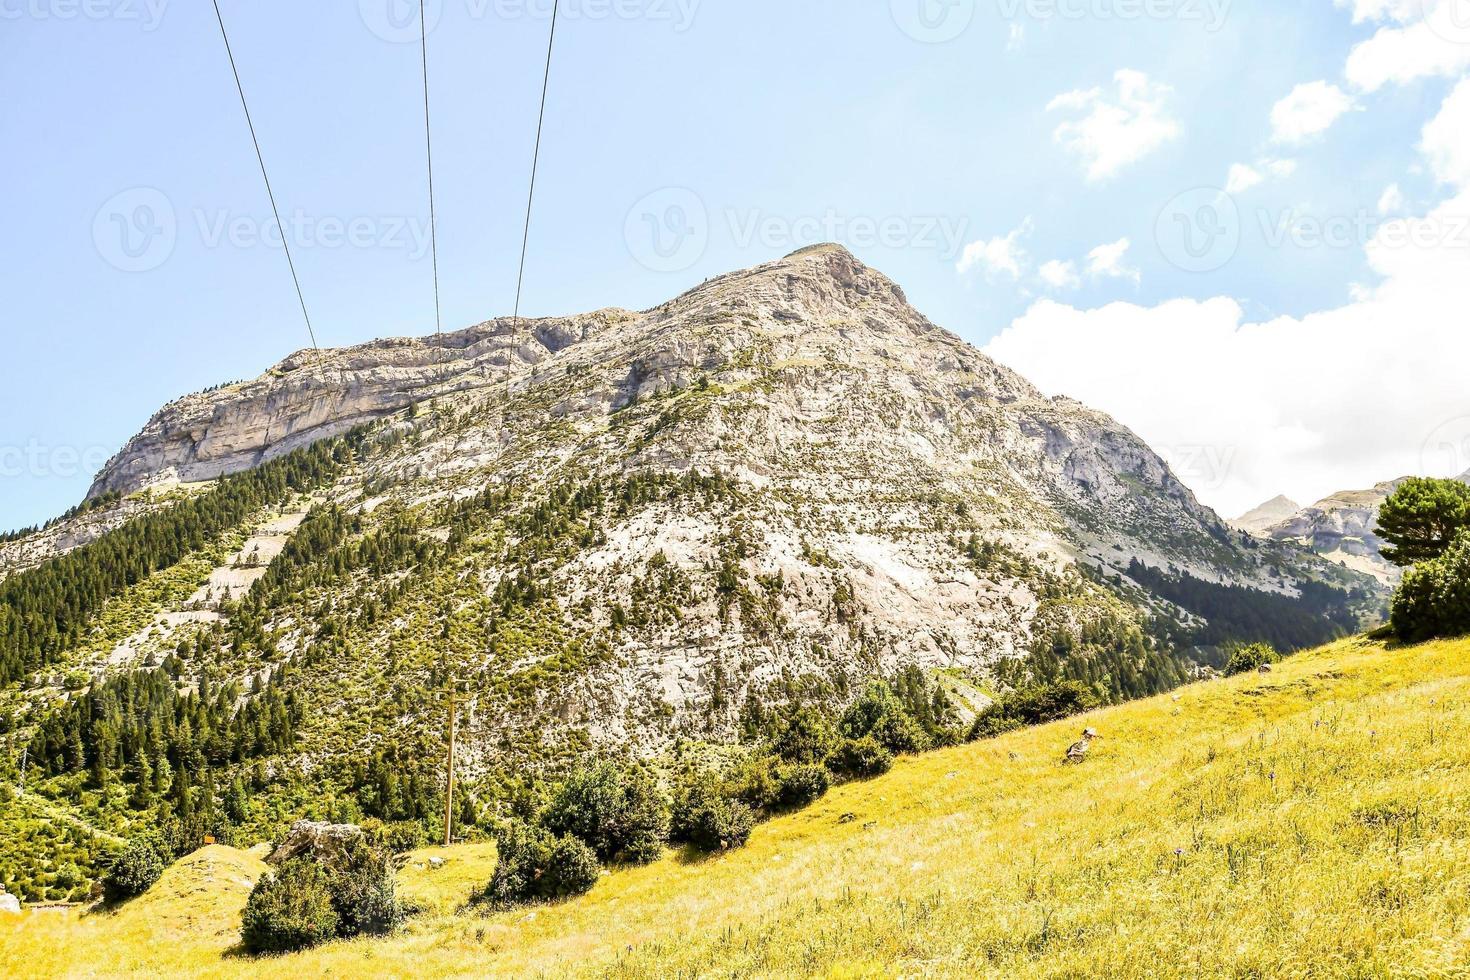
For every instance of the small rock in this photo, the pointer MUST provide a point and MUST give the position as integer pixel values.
(847, 818)
(8, 902)
(436, 862)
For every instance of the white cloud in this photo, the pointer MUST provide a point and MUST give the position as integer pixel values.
(1106, 262)
(1308, 111)
(1297, 405)
(1446, 142)
(1002, 256)
(1424, 39)
(1243, 176)
(1059, 275)
(1391, 201)
(1366, 10)
(1280, 168)
(1115, 131)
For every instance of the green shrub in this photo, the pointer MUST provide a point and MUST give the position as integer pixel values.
(571, 869)
(757, 783)
(1034, 705)
(1248, 657)
(134, 869)
(1434, 598)
(617, 811)
(364, 893)
(533, 864)
(879, 713)
(290, 909)
(806, 737)
(803, 785)
(859, 758)
(702, 816)
(402, 836)
(989, 724)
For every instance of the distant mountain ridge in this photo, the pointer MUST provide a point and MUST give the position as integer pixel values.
(1341, 527)
(1273, 511)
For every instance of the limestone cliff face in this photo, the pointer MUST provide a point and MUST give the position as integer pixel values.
(314, 395)
(832, 357)
(1343, 527)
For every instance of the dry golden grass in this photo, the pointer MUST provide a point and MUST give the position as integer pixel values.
(1308, 822)
(466, 869)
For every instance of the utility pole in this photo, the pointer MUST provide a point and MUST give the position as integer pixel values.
(449, 768)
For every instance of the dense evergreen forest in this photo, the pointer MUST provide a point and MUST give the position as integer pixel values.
(141, 729)
(1236, 613)
(45, 611)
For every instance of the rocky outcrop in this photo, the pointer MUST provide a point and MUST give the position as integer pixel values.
(840, 338)
(326, 843)
(314, 395)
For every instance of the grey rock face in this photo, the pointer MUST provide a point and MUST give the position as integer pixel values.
(1343, 528)
(315, 395)
(324, 842)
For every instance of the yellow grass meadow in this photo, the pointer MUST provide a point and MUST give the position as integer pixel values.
(1313, 821)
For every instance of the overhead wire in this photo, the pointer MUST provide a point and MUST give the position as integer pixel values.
(260, 158)
(429, 154)
(535, 160)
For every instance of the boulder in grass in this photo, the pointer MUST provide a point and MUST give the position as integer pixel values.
(326, 843)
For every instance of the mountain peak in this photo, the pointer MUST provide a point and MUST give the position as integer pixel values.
(1272, 512)
(818, 306)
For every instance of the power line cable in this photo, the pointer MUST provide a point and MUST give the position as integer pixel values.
(429, 152)
(536, 159)
(285, 243)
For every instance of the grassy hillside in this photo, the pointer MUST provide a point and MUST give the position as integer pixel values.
(1309, 821)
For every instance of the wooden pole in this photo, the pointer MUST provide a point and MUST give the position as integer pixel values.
(449, 768)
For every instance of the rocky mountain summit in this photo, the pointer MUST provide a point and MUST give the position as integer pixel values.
(1340, 527)
(1273, 511)
(627, 528)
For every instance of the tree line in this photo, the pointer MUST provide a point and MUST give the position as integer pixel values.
(46, 610)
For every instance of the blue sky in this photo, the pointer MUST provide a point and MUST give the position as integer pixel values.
(758, 125)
